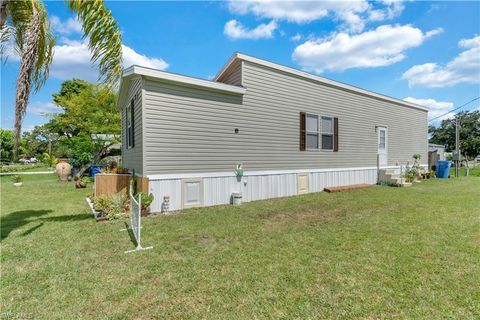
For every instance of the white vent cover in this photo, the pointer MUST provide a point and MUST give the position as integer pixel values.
(192, 193)
(302, 183)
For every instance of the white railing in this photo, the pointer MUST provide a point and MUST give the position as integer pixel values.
(136, 221)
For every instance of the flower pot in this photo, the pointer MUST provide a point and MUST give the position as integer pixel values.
(79, 184)
(145, 211)
(63, 169)
(18, 184)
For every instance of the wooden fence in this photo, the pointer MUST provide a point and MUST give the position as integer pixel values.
(106, 184)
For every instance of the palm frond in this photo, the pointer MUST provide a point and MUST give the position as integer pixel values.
(104, 37)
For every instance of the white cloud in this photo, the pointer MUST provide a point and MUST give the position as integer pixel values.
(383, 46)
(392, 9)
(66, 27)
(464, 68)
(131, 57)
(354, 14)
(435, 108)
(235, 30)
(72, 59)
(42, 108)
(296, 37)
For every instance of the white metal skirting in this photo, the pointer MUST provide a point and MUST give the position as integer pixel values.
(218, 189)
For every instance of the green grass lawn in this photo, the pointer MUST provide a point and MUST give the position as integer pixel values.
(376, 253)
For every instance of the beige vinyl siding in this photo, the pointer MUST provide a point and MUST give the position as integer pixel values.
(190, 130)
(234, 75)
(132, 157)
(275, 92)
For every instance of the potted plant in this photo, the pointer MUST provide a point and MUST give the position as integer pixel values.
(63, 169)
(409, 176)
(147, 200)
(238, 172)
(17, 180)
(81, 182)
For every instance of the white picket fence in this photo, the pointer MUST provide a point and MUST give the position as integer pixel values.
(136, 221)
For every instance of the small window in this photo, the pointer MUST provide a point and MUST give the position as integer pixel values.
(130, 125)
(312, 131)
(381, 142)
(327, 133)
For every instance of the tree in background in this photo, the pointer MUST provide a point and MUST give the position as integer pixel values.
(26, 23)
(469, 134)
(6, 145)
(38, 141)
(89, 124)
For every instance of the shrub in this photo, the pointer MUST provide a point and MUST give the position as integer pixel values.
(18, 168)
(113, 206)
(410, 175)
(101, 203)
(118, 207)
(49, 160)
(17, 179)
(147, 200)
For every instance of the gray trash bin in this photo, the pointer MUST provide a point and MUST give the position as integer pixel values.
(237, 198)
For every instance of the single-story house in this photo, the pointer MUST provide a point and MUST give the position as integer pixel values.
(288, 131)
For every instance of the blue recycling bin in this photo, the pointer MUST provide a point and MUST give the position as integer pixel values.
(95, 169)
(443, 169)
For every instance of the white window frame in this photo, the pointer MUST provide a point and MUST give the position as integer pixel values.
(384, 130)
(307, 132)
(320, 132)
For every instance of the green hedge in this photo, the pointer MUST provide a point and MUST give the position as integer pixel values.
(6, 169)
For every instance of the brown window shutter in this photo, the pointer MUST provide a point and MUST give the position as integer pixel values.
(302, 131)
(335, 134)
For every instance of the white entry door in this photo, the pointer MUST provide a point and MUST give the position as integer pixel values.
(382, 146)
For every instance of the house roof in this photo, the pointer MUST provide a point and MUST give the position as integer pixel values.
(135, 70)
(236, 57)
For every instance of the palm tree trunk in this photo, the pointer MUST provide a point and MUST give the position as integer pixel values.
(24, 81)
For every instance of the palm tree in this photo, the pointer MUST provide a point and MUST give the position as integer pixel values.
(26, 23)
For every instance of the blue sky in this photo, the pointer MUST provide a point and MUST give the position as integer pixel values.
(425, 52)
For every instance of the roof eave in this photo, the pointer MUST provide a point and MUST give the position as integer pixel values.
(306, 75)
(186, 80)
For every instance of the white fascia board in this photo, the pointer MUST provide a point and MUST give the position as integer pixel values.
(185, 80)
(309, 76)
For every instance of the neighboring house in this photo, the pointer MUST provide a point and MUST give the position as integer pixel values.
(435, 152)
(292, 132)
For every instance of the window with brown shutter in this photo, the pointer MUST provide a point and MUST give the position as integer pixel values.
(302, 131)
(335, 134)
(318, 132)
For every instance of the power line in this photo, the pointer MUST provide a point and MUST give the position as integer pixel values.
(463, 105)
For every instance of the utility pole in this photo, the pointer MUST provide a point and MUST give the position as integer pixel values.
(457, 144)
